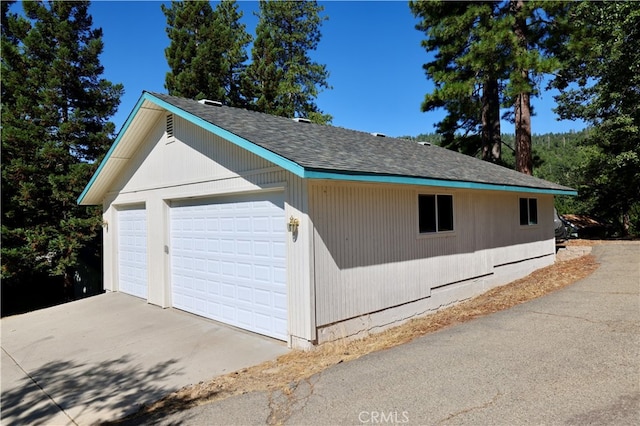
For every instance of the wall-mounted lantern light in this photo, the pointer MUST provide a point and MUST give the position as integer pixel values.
(293, 224)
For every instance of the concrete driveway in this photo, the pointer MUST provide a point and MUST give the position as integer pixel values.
(100, 358)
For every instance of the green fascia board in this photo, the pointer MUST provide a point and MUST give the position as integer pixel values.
(300, 171)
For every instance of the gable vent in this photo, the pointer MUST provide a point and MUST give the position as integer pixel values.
(210, 102)
(380, 135)
(301, 120)
(169, 128)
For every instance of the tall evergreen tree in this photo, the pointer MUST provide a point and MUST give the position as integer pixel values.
(466, 87)
(282, 78)
(233, 39)
(600, 83)
(191, 55)
(488, 54)
(55, 110)
(207, 52)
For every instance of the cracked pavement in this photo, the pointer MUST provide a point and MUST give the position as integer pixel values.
(571, 357)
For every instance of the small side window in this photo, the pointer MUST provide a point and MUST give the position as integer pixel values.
(435, 213)
(528, 211)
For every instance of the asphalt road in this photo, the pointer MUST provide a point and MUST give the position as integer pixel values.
(571, 357)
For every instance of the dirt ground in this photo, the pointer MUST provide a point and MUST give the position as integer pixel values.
(572, 264)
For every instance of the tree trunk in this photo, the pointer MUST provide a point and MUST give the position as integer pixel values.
(522, 107)
(626, 223)
(524, 161)
(491, 138)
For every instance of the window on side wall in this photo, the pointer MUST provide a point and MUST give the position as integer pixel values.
(435, 213)
(528, 211)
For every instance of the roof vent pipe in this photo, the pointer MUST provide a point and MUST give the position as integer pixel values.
(380, 135)
(210, 102)
(301, 120)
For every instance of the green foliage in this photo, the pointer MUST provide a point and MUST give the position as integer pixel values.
(282, 79)
(488, 55)
(560, 158)
(455, 31)
(55, 109)
(207, 52)
(600, 83)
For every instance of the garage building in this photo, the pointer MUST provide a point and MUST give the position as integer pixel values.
(303, 232)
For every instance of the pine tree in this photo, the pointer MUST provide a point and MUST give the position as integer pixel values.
(233, 39)
(282, 78)
(207, 51)
(191, 55)
(55, 129)
(464, 86)
(488, 54)
(600, 83)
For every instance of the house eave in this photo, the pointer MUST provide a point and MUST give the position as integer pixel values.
(94, 191)
(421, 181)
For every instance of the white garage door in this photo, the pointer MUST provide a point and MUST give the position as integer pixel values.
(228, 261)
(132, 252)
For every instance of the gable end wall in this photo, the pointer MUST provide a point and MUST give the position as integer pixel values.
(198, 164)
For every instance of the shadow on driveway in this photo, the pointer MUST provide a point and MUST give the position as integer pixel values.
(78, 388)
(101, 358)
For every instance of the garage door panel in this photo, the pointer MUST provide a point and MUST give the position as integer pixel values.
(262, 225)
(242, 259)
(280, 301)
(245, 294)
(244, 247)
(245, 270)
(227, 246)
(263, 298)
(279, 274)
(261, 248)
(262, 273)
(279, 250)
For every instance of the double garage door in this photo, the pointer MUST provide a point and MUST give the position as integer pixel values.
(228, 261)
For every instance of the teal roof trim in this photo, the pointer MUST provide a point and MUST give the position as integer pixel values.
(408, 180)
(241, 142)
(231, 137)
(124, 128)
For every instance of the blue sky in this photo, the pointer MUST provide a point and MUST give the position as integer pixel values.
(371, 49)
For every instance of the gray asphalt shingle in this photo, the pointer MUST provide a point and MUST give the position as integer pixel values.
(327, 148)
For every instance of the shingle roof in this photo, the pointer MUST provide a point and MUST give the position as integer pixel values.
(325, 148)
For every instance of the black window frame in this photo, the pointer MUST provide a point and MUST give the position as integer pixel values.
(528, 210)
(435, 214)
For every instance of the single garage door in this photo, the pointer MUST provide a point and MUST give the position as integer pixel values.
(132, 251)
(228, 261)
